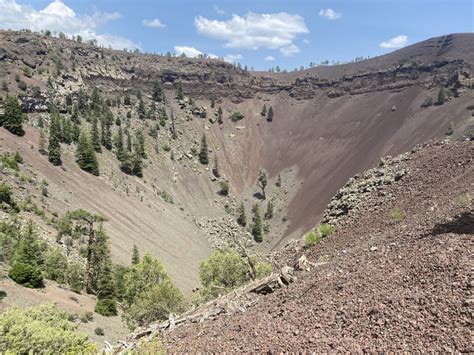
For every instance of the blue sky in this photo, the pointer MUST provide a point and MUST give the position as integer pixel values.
(259, 34)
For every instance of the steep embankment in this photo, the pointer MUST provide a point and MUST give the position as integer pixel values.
(329, 123)
(397, 275)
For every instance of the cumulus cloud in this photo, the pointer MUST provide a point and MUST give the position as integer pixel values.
(188, 51)
(330, 14)
(395, 42)
(290, 50)
(269, 58)
(254, 31)
(232, 58)
(58, 17)
(155, 23)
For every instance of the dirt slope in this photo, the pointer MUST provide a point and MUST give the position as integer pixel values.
(400, 283)
(329, 124)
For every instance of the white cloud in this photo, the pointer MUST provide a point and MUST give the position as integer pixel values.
(188, 51)
(219, 10)
(254, 31)
(155, 23)
(269, 58)
(290, 50)
(330, 14)
(306, 41)
(232, 58)
(395, 42)
(58, 17)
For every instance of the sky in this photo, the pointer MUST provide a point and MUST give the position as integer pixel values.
(256, 33)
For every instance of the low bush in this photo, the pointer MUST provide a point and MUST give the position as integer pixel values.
(26, 275)
(106, 307)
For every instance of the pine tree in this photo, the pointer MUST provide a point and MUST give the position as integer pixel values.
(85, 155)
(76, 131)
(129, 141)
(120, 150)
(66, 130)
(270, 114)
(269, 211)
(13, 117)
(256, 224)
(242, 218)
(95, 138)
(264, 111)
(81, 100)
(179, 91)
(215, 168)
(95, 100)
(219, 115)
(441, 97)
(54, 147)
(106, 304)
(140, 144)
(213, 103)
(137, 165)
(262, 182)
(75, 114)
(135, 255)
(203, 154)
(278, 182)
(42, 143)
(157, 92)
(141, 110)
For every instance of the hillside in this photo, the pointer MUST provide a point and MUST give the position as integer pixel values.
(329, 124)
(395, 276)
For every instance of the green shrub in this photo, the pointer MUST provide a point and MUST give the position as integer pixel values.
(106, 307)
(236, 116)
(326, 229)
(26, 275)
(22, 85)
(6, 195)
(223, 271)
(99, 331)
(263, 269)
(41, 330)
(312, 238)
(396, 214)
(55, 265)
(87, 317)
(224, 188)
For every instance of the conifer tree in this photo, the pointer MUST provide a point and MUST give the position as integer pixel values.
(42, 143)
(179, 91)
(213, 103)
(441, 96)
(95, 100)
(219, 115)
(203, 153)
(269, 211)
(215, 168)
(141, 110)
(85, 155)
(75, 114)
(262, 182)
(13, 117)
(120, 150)
(270, 114)
(157, 94)
(135, 255)
(129, 141)
(76, 131)
(256, 224)
(264, 111)
(66, 130)
(54, 147)
(242, 218)
(140, 144)
(106, 304)
(81, 100)
(95, 138)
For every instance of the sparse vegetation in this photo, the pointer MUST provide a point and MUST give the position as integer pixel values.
(236, 116)
(396, 214)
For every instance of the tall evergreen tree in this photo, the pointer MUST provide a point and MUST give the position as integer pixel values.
(129, 141)
(256, 224)
(85, 155)
(441, 97)
(264, 111)
(204, 153)
(157, 94)
(270, 114)
(215, 168)
(106, 304)
(219, 115)
(13, 117)
(76, 131)
(66, 130)
(262, 182)
(120, 150)
(141, 110)
(54, 147)
(135, 255)
(179, 91)
(269, 211)
(95, 137)
(242, 218)
(42, 143)
(140, 144)
(95, 100)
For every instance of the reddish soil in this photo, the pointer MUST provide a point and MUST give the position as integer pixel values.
(390, 285)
